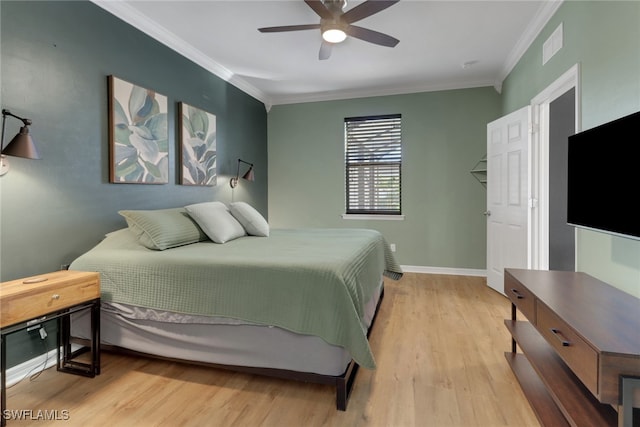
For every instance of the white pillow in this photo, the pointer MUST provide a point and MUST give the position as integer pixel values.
(251, 220)
(216, 221)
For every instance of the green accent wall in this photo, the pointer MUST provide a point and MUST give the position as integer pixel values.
(604, 38)
(55, 59)
(443, 137)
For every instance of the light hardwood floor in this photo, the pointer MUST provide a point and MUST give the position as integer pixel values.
(438, 341)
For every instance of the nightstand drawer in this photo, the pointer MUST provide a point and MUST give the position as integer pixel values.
(23, 301)
(581, 358)
(520, 297)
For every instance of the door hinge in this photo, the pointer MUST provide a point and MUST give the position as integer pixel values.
(533, 203)
(534, 128)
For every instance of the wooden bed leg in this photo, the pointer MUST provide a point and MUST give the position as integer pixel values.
(344, 384)
(341, 395)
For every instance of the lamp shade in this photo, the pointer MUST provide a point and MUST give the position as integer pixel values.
(249, 175)
(22, 145)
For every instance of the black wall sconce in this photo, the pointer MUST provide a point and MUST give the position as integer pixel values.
(20, 146)
(248, 175)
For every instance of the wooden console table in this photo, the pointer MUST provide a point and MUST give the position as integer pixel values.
(580, 356)
(30, 301)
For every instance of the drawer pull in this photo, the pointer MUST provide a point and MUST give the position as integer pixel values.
(55, 296)
(518, 294)
(560, 337)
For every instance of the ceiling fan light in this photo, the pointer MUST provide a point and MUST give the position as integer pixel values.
(334, 35)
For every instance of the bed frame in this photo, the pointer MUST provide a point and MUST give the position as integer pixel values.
(343, 383)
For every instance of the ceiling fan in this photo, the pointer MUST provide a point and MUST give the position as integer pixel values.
(335, 24)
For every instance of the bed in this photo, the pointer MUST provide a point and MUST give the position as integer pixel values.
(293, 303)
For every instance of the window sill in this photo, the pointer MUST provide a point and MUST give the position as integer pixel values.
(374, 217)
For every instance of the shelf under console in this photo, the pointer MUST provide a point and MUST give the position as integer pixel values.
(562, 395)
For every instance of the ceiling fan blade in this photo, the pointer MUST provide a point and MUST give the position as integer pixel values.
(371, 36)
(319, 8)
(289, 28)
(366, 9)
(325, 50)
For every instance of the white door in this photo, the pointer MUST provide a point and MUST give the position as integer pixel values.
(507, 195)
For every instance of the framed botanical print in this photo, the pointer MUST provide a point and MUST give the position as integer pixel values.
(138, 134)
(197, 146)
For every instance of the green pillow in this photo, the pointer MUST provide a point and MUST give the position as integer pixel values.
(163, 228)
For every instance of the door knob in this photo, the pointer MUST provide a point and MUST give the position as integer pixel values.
(487, 213)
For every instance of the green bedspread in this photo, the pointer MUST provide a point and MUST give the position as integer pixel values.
(309, 281)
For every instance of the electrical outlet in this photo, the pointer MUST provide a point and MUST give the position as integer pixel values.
(393, 247)
(64, 266)
(35, 324)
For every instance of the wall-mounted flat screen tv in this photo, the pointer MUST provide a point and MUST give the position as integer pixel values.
(603, 186)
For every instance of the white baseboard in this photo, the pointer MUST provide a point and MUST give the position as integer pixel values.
(35, 365)
(444, 270)
(30, 367)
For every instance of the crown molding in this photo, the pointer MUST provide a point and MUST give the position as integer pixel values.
(135, 18)
(368, 93)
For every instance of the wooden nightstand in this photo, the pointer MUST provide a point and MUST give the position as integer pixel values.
(57, 295)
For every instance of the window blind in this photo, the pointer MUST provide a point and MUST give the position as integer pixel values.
(373, 160)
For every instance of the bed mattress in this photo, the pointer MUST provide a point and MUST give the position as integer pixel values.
(218, 340)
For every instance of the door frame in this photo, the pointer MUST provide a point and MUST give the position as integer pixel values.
(538, 233)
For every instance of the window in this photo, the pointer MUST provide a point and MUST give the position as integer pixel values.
(373, 159)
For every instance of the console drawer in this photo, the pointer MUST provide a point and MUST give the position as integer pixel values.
(520, 296)
(581, 358)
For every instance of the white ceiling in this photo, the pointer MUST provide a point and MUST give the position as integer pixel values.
(436, 38)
